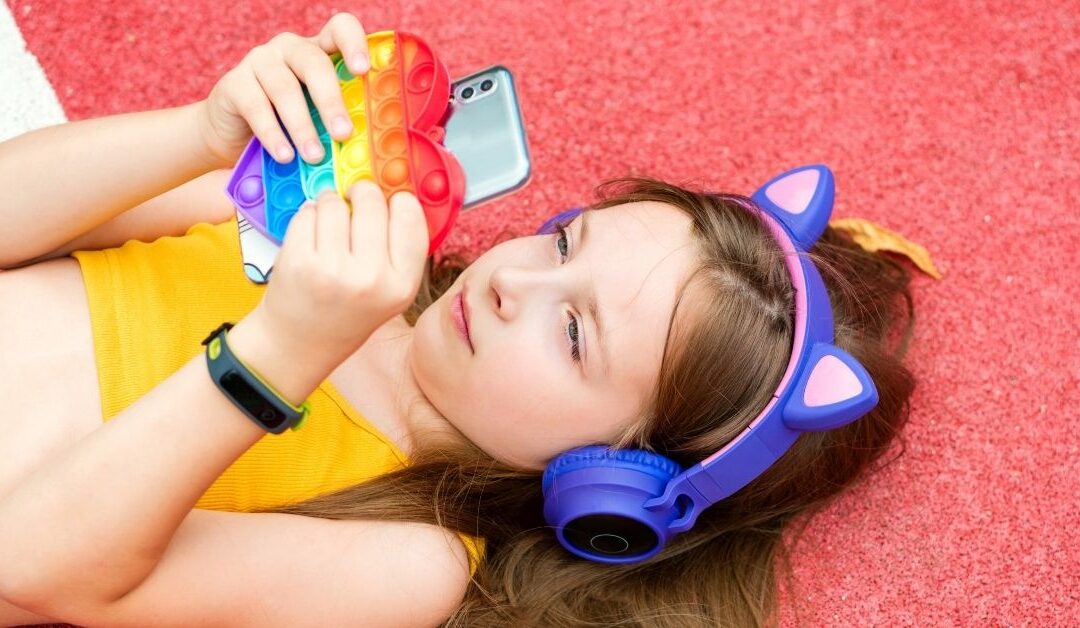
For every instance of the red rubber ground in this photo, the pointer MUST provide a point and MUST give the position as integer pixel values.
(954, 123)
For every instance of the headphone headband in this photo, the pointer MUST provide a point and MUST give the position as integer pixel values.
(822, 388)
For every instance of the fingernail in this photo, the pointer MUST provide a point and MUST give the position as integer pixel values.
(283, 153)
(359, 63)
(341, 126)
(313, 149)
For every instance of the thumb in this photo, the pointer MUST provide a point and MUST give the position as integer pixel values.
(408, 234)
(300, 234)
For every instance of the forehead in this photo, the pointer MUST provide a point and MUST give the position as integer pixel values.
(637, 257)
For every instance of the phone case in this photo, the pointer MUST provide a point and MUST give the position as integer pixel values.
(487, 137)
(396, 109)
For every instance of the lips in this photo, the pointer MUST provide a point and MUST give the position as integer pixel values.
(459, 311)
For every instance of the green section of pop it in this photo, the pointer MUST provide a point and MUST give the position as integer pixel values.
(318, 177)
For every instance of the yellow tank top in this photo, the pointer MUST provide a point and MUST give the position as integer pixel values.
(151, 305)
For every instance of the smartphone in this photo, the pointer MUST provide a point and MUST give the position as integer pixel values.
(484, 132)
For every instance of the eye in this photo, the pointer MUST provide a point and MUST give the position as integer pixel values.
(562, 236)
(575, 348)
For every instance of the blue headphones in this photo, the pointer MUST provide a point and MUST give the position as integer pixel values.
(624, 506)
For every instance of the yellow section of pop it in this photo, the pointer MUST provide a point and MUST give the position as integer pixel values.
(378, 149)
(352, 158)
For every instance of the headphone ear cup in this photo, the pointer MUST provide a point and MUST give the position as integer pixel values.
(599, 455)
(594, 498)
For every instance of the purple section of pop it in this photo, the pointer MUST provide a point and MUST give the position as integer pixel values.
(245, 187)
(250, 190)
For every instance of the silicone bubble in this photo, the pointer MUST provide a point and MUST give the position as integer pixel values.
(395, 108)
(245, 186)
(250, 190)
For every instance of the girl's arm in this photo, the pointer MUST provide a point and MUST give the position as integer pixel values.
(60, 182)
(92, 524)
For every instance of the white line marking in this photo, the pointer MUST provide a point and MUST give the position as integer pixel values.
(27, 100)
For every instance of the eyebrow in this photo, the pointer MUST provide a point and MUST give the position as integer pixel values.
(594, 309)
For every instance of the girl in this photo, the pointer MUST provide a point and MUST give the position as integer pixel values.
(659, 319)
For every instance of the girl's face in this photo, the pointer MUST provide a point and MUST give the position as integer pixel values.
(519, 393)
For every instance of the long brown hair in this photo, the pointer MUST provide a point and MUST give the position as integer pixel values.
(718, 372)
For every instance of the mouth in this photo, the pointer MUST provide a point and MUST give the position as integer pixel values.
(459, 311)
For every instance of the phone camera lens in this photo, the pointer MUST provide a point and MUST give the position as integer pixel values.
(467, 92)
(487, 85)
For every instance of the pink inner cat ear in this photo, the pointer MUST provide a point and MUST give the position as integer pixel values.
(794, 192)
(831, 381)
(801, 199)
(835, 391)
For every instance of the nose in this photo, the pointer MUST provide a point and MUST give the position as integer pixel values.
(511, 286)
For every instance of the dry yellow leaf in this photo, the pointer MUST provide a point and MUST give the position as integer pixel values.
(874, 237)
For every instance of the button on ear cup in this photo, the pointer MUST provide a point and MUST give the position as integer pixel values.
(594, 496)
(610, 535)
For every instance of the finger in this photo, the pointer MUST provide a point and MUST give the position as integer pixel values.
(256, 109)
(316, 72)
(345, 34)
(299, 238)
(283, 90)
(332, 225)
(408, 236)
(369, 222)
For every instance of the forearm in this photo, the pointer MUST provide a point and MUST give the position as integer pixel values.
(90, 525)
(59, 182)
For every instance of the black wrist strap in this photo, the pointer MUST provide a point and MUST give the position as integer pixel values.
(251, 393)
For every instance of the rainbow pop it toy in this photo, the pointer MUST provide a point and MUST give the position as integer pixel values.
(396, 109)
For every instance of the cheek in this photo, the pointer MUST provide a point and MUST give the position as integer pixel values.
(517, 386)
(428, 359)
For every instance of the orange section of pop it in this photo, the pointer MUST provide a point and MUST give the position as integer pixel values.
(378, 149)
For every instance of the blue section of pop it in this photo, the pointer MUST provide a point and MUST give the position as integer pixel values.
(284, 193)
(318, 177)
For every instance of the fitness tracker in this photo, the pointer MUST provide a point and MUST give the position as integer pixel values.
(251, 393)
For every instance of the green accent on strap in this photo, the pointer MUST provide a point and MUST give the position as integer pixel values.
(270, 388)
(305, 411)
(215, 348)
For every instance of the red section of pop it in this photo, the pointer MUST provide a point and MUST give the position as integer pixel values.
(427, 82)
(438, 182)
(435, 176)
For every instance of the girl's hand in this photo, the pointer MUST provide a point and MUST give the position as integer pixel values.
(338, 277)
(269, 78)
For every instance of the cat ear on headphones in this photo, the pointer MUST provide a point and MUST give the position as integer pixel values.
(549, 225)
(834, 391)
(802, 199)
